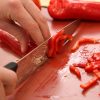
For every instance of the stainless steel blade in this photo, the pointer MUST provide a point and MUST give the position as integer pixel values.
(29, 63)
(71, 27)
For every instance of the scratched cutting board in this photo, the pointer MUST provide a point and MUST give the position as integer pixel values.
(53, 81)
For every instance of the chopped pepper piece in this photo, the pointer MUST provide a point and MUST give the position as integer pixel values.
(76, 71)
(89, 84)
(56, 43)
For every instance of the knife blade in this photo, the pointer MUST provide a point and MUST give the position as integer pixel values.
(30, 62)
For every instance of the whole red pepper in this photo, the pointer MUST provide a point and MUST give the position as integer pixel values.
(11, 42)
(68, 9)
(84, 41)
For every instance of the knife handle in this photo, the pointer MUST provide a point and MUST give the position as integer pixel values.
(12, 66)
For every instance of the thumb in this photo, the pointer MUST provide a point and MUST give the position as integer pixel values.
(9, 80)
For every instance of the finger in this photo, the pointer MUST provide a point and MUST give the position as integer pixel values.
(37, 15)
(17, 32)
(9, 80)
(2, 92)
(26, 21)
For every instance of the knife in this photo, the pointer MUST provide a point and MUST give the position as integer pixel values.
(34, 59)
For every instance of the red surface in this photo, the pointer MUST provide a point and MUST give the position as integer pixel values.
(53, 80)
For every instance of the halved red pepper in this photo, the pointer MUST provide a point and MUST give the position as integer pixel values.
(74, 9)
(51, 48)
(80, 65)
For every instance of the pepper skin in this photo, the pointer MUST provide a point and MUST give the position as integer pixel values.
(83, 41)
(56, 43)
(68, 9)
(13, 44)
(75, 71)
(89, 84)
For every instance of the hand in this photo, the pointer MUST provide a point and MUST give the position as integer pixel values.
(28, 18)
(8, 80)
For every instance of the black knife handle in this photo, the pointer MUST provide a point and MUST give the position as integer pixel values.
(12, 66)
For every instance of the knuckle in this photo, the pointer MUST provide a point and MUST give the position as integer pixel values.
(14, 4)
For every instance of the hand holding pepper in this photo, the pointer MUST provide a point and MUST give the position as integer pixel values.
(31, 21)
(21, 19)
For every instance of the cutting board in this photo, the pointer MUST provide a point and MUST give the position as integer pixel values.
(53, 80)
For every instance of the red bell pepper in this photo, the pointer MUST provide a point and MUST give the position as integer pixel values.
(75, 71)
(68, 9)
(97, 73)
(89, 84)
(91, 66)
(56, 43)
(90, 59)
(96, 56)
(14, 44)
(80, 65)
(83, 41)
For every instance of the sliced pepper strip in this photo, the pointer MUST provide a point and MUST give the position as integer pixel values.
(89, 68)
(97, 73)
(89, 84)
(75, 71)
(96, 56)
(56, 43)
(83, 41)
(51, 48)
